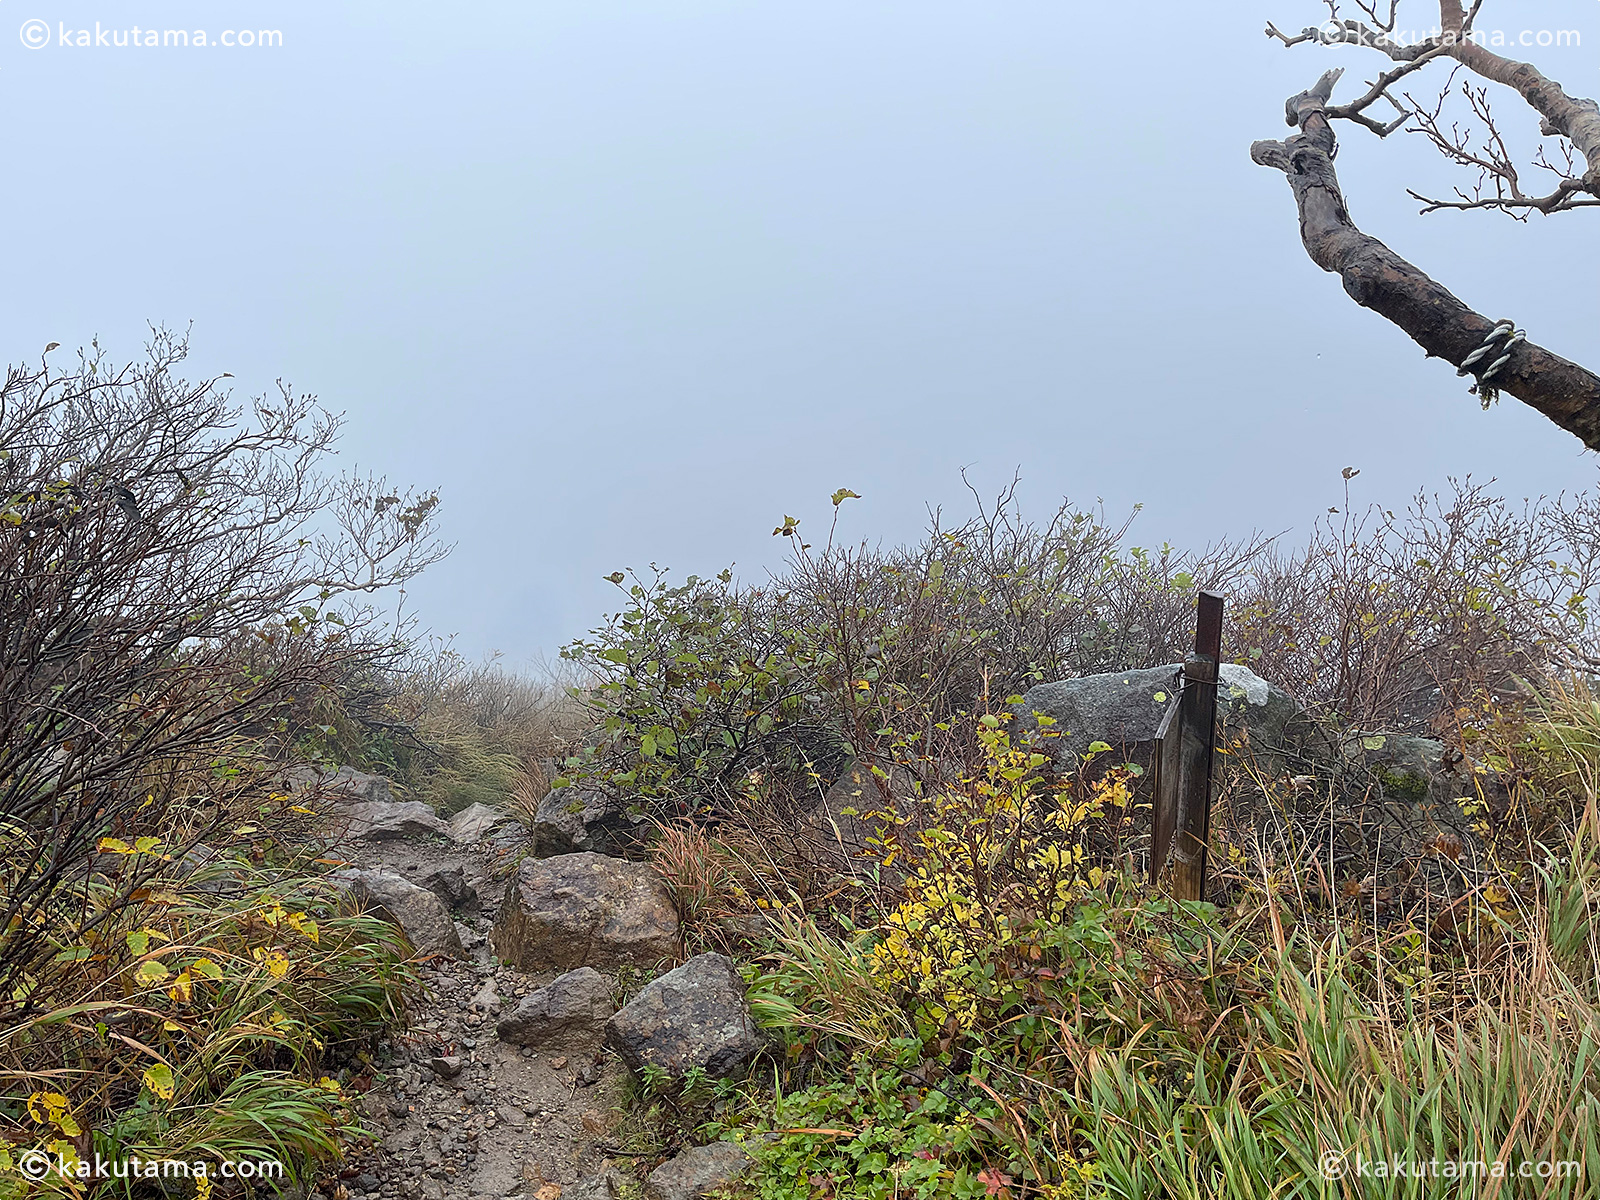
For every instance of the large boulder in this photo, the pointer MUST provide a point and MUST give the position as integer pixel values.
(385, 820)
(570, 1014)
(697, 1171)
(476, 822)
(694, 1016)
(585, 910)
(417, 911)
(1123, 709)
(1415, 769)
(572, 820)
(346, 784)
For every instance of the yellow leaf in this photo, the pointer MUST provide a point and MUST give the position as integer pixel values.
(205, 967)
(182, 987)
(151, 971)
(159, 1080)
(111, 845)
(146, 844)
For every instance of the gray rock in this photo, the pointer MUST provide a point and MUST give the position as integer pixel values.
(574, 819)
(1124, 709)
(697, 1172)
(417, 911)
(448, 881)
(346, 783)
(570, 1014)
(608, 1185)
(485, 999)
(694, 1016)
(446, 1066)
(578, 910)
(1412, 769)
(380, 820)
(475, 822)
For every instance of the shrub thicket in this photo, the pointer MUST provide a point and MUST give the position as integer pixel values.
(172, 973)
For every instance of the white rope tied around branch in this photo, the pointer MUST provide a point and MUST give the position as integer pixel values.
(1492, 344)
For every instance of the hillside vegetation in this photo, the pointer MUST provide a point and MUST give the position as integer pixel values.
(969, 986)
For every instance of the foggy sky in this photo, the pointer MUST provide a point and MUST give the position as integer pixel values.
(630, 281)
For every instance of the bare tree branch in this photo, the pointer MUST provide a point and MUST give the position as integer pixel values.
(1378, 278)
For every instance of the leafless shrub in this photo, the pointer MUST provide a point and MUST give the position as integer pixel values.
(167, 564)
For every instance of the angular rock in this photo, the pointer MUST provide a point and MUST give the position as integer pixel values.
(608, 1185)
(448, 881)
(446, 1066)
(574, 819)
(570, 1014)
(697, 1172)
(475, 822)
(380, 820)
(417, 911)
(693, 1016)
(347, 784)
(1124, 709)
(585, 910)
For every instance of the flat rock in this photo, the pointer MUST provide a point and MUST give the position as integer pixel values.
(693, 1016)
(382, 820)
(585, 910)
(570, 1014)
(475, 822)
(571, 820)
(417, 911)
(697, 1172)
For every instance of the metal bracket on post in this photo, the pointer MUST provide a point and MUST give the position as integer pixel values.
(1182, 762)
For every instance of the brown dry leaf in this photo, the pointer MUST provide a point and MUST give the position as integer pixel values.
(532, 1173)
(594, 1123)
(550, 1191)
(557, 1063)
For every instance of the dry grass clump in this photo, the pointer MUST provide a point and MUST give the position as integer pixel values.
(475, 733)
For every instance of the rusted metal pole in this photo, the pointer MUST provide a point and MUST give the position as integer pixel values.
(1183, 763)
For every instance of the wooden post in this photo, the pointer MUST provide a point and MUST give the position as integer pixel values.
(1183, 753)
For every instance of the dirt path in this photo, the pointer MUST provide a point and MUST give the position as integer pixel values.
(456, 1112)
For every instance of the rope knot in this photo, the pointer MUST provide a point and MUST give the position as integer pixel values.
(1498, 344)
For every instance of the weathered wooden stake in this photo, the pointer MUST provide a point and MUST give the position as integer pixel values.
(1183, 762)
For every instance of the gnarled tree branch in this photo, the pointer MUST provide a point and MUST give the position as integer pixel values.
(1378, 278)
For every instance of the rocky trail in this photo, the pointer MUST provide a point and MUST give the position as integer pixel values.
(510, 1080)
